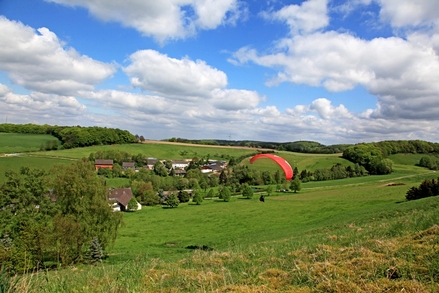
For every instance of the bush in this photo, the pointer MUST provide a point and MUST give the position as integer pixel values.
(426, 189)
(172, 201)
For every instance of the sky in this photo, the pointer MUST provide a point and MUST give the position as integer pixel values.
(334, 72)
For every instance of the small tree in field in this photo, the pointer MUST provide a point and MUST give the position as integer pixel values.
(132, 204)
(225, 194)
(247, 191)
(173, 201)
(183, 196)
(269, 190)
(197, 198)
(210, 193)
(295, 184)
(95, 252)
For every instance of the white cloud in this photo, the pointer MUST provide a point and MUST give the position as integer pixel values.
(308, 17)
(165, 19)
(39, 107)
(339, 62)
(235, 99)
(401, 13)
(177, 78)
(38, 61)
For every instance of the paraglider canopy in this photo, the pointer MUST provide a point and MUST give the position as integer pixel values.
(286, 167)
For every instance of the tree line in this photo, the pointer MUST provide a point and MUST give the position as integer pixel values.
(374, 156)
(297, 146)
(73, 136)
(52, 218)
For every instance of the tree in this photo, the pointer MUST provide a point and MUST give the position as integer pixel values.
(197, 198)
(81, 197)
(269, 190)
(95, 253)
(247, 191)
(295, 184)
(223, 177)
(151, 198)
(132, 204)
(210, 193)
(183, 196)
(172, 201)
(225, 194)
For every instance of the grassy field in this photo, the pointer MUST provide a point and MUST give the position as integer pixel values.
(18, 143)
(346, 237)
(15, 163)
(160, 151)
(349, 235)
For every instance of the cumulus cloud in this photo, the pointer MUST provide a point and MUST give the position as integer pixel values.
(235, 99)
(310, 16)
(401, 73)
(178, 78)
(38, 106)
(38, 60)
(163, 20)
(401, 13)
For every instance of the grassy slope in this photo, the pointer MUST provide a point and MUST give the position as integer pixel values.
(156, 231)
(302, 240)
(345, 238)
(16, 143)
(160, 151)
(15, 163)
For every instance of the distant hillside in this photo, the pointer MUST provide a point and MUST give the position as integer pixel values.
(74, 136)
(297, 146)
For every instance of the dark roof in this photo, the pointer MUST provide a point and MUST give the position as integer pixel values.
(103, 162)
(127, 164)
(121, 195)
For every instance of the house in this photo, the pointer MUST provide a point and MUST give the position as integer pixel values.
(180, 173)
(120, 198)
(206, 169)
(128, 165)
(151, 162)
(179, 164)
(103, 164)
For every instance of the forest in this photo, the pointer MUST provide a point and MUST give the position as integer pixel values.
(73, 136)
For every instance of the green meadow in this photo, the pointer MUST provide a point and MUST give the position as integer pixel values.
(160, 151)
(18, 143)
(348, 235)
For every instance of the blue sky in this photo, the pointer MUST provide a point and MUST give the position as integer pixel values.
(328, 71)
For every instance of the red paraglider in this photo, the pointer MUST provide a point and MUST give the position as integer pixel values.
(286, 167)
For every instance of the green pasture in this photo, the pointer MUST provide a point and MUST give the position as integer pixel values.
(157, 232)
(309, 162)
(15, 163)
(160, 151)
(18, 143)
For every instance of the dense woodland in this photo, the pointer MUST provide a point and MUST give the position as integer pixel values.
(73, 136)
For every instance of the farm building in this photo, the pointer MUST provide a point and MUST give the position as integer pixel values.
(103, 164)
(128, 165)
